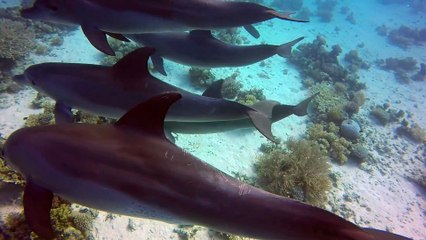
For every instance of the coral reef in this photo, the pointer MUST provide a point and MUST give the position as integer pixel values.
(328, 100)
(401, 67)
(45, 118)
(320, 65)
(385, 115)
(200, 77)
(325, 9)
(359, 153)
(251, 96)
(350, 130)
(297, 170)
(355, 62)
(231, 87)
(413, 132)
(186, 232)
(17, 40)
(120, 48)
(230, 35)
(405, 37)
(327, 137)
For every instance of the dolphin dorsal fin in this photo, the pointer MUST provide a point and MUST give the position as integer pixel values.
(214, 90)
(201, 34)
(149, 115)
(134, 64)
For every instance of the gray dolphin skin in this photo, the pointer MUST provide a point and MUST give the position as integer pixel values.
(99, 18)
(274, 110)
(131, 168)
(200, 49)
(112, 91)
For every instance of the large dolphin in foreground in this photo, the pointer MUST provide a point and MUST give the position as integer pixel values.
(200, 49)
(116, 17)
(112, 91)
(131, 168)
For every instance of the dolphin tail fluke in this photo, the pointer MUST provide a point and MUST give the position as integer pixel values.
(284, 50)
(301, 109)
(285, 16)
(37, 205)
(383, 235)
(262, 123)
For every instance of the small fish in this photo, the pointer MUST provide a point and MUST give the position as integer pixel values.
(99, 18)
(131, 168)
(200, 49)
(112, 91)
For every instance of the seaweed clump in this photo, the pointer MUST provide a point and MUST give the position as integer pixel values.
(298, 170)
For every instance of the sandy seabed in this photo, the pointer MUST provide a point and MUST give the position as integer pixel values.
(378, 195)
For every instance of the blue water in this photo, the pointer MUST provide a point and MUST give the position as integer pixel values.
(387, 191)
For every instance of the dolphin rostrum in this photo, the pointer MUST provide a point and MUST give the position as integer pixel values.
(99, 18)
(131, 168)
(112, 91)
(200, 49)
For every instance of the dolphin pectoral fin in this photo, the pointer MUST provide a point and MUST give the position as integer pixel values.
(262, 123)
(37, 205)
(158, 62)
(98, 39)
(63, 113)
(301, 109)
(252, 31)
(214, 90)
(285, 16)
(117, 36)
(149, 115)
(383, 235)
(284, 50)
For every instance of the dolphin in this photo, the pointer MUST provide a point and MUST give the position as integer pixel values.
(112, 91)
(99, 18)
(200, 49)
(131, 168)
(273, 109)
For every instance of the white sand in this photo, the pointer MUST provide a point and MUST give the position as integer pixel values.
(376, 195)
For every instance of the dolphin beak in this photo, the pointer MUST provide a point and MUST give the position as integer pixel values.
(20, 79)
